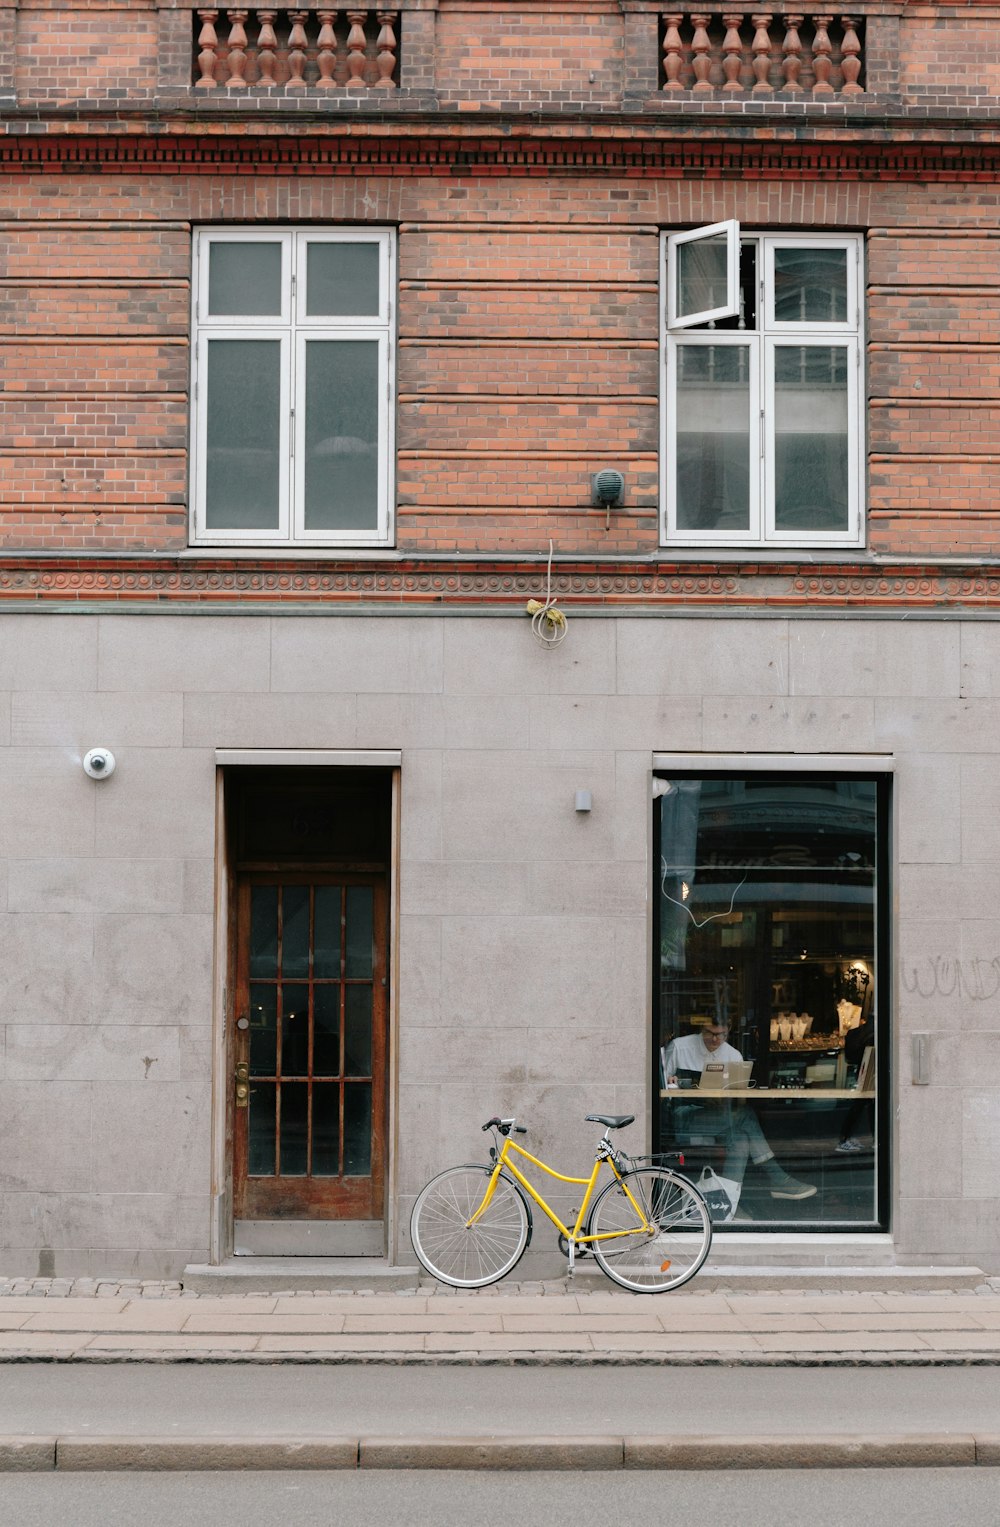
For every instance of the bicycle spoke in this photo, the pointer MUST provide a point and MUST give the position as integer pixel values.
(463, 1254)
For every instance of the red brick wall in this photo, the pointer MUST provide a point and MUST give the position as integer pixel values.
(528, 359)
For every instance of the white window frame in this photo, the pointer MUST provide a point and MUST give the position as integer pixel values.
(762, 341)
(730, 307)
(293, 329)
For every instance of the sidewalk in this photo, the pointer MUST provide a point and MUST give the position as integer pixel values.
(85, 1321)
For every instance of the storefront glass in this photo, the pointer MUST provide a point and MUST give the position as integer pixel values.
(769, 1053)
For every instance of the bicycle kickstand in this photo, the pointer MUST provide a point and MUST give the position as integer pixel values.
(572, 1256)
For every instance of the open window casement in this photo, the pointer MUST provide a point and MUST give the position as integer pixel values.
(703, 275)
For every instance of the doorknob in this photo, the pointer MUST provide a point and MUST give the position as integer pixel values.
(242, 1084)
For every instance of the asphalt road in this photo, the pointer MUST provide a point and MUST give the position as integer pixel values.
(301, 1399)
(823, 1498)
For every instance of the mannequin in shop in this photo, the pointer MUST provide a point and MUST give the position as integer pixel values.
(744, 1139)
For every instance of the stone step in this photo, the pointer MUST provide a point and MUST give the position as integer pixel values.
(276, 1275)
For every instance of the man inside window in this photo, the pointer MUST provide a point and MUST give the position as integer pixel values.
(739, 1128)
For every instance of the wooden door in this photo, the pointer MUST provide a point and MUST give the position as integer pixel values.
(309, 1068)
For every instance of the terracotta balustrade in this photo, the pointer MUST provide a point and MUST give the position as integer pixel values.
(328, 49)
(769, 54)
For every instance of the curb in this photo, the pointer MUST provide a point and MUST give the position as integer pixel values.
(473, 1358)
(23, 1455)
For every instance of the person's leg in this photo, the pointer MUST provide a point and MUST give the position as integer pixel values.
(745, 1127)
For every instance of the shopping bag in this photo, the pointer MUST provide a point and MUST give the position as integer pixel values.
(722, 1194)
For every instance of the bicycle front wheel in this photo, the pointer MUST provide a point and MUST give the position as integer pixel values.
(663, 1252)
(464, 1255)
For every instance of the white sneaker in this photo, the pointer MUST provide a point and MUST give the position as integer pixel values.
(849, 1147)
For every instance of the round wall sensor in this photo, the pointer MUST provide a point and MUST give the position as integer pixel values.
(99, 763)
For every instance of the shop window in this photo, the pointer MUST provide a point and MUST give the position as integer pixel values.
(762, 389)
(291, 438)
(770, 1015)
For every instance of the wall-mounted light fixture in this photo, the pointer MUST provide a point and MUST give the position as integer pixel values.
(99, 763)
(584, 800)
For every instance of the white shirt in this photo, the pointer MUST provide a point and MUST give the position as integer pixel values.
(690, 1053)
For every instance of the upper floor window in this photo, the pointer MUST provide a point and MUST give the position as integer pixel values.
(291, 438)
(763, 431)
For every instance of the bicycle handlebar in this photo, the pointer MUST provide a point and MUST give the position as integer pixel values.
(505, 1126)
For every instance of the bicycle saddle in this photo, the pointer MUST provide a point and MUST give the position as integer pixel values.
(612, 1120)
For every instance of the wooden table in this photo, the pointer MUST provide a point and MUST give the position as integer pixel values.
(768, 1094)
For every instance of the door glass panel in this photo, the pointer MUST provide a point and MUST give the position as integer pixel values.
(326, 1030)
(242, 434)
(703, 274)
(261, 1130)
(294, 1128)
(295, 930)
(341, 434)
(713, 437)
(358, 1031)
(326, 935)
(358, 1129)
(326, 1131)
(244, 280)
(264, 930)
(810, 285)
(810, 437)
(295, 1029)
(358, 964)
(263, 1030)
(342, 280)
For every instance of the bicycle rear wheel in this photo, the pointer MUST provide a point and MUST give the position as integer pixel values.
(673, 1247)
(464, 1255)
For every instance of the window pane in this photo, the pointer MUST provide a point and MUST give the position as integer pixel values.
(341, 435)
(326, 1030)
(326, 1131)
(264, 930)
(326, 937)
(810, 285)
(358, 1031)
(358, 1130)
(263, 1030)
(295, 930)
(342, 280)
(360, 910)
(260, 1161)
(810, 437)
(295, 1029)
(244, 280)
(713, 437)
(294, 1120)
(767, 942)
(702, 274)
(243, 381)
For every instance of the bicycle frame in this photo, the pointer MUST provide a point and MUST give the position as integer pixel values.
(574, 1237)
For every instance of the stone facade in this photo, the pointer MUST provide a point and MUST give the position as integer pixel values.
(529, 160)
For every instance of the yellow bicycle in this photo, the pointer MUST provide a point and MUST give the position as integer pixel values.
(649, 1229)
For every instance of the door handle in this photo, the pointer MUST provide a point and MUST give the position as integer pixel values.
(242, 1074)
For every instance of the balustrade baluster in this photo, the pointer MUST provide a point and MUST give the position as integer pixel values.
(822, 62)
(673, 51)
(850, 62)
(326, 43)
(762, 53)
(237, 50)
(732, 48)
(386, 46)
(792, 49)
(267, 43)
(297, 42)
(208, 44)
(701, 63)
(356, 50)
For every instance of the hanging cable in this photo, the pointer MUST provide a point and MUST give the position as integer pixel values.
(548, 624)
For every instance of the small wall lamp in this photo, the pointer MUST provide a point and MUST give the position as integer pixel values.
(608, 491)
(584, 800)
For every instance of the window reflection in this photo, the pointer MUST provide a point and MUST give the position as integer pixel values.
(767, 991)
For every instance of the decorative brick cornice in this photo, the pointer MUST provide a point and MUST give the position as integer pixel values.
(667, 153)
(163, 583)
